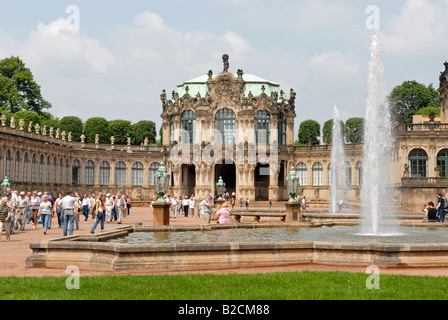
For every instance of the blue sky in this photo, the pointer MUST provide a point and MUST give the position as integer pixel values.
(125, 52)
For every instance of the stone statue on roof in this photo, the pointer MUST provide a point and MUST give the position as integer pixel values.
(225, 60)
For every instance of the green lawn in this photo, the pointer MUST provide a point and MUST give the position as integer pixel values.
(270, 286)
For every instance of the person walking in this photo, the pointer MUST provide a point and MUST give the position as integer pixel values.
(175, 205)
(85, 206)
(45, 212)
(99, 213)
(5, 215)
(22, 208)
(92, 205)
(109, 204)
(67, 204)
(191, 204)
(186, 205)
(59, 211)
(120, 206)
(206, 209)
(440, 205)
(35, 202)
(11, 203)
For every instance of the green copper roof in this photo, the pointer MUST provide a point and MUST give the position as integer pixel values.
(252, 83)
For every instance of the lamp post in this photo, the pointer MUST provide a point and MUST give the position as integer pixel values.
(293, 185)
(5, 185)
(161, 209)
(293, 205)
(162, 180)
(220, 188)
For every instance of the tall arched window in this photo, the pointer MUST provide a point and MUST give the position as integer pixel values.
(90, 173)
(67, 166)
(33, 169)
(281, 129)
(262, 126)
(55, 168)
(225, 123)
(442, 163)
(8, 165)
(16, 167)
(25, 168)
(61, 171)
(318, 174)
(359, 173)
(47, 172)
(41, 169)
(188, 127)
(172, 130)
(76, 172)
(152, 171)
(137, 174)
(302, 173)
(418, 163)
(120, 174)
(104, 173)
(348, 173)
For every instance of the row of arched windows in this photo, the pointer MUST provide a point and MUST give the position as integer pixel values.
(40, 169)
(225, 123)
(318, 174)
(418, 163)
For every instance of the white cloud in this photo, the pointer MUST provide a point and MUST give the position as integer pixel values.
(420, 29)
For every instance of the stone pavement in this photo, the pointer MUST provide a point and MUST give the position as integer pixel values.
(14, 253)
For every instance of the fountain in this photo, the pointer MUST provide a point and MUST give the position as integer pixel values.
(337, 161)
(378, 150)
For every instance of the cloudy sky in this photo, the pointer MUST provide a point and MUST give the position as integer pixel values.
(114, 58)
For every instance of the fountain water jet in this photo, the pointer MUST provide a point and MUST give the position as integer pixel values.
(337, 161)
(378, 150)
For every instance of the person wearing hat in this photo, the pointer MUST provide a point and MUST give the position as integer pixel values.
(109, 204)
(23, 203)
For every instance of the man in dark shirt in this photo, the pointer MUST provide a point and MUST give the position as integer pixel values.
(5, 216)
(431, 212)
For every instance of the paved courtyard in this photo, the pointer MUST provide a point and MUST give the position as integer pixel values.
(14, 253)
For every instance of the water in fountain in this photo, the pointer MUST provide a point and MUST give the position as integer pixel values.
(378, 151)
(337, 161)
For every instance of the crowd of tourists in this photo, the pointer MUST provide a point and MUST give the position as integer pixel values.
(19, 209)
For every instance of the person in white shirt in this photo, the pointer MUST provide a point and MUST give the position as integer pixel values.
(186, 204)
(109, 204)
(85, 206)
(120, 205)
(175, 206)
(68, 205)
(191, 204)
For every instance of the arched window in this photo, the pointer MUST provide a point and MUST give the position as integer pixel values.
(120, 174)
(172, 130)
(76, 172)
(318, 174)
(442, 163)
(302, 173)
(152, 171)
(33, 169)
(41, 169)
(137, 174)
(188, 127)
(54, 170)
(418, 163)
(67, 166)
(225, 123)
(8, 165)
(25, 168)
(332, 176)
(281, 129)
(104, 173)
(348, 173)
(16, 167)
(61, 171)
(262, 126)
(359, 173)
(90, 173)
(47, 172)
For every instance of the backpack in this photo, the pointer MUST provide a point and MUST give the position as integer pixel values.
(445, 204)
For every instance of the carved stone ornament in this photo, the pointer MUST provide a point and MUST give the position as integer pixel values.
(3, 120)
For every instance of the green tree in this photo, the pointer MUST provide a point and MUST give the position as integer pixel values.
(309, 130)
(74, 125)
(94, 126)
(18, 90)
(411, 96)
(354, 130)
(141, 130)
(427, 111)
(27, 116)
(327, 130)
(120, 130)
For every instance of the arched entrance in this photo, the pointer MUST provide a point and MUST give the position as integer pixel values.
(228, 174)
(261, 179)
